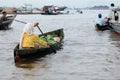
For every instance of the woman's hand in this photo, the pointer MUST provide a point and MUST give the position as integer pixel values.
(48, 43)
(36, 24)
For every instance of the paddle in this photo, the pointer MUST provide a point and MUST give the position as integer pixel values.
(41, 32)
(46, 39)
(20, 21)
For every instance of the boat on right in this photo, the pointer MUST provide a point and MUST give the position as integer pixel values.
(114, 18)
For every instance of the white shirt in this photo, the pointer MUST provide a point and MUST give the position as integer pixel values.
(100, 21)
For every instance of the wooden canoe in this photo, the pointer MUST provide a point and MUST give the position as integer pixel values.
(30, 54)
(6, 24)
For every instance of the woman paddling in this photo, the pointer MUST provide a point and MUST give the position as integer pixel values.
(28, 39)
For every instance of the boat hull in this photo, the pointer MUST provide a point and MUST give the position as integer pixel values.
(49, 13)
(102, 28)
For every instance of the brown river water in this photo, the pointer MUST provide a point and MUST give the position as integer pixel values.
(87, 54)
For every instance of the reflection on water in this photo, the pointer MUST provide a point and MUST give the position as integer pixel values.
(25, 65)
(87, 54)
(115, 39)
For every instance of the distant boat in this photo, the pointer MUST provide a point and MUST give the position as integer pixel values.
(61, 8)
(79, 11)
(5, 25)
(45, 13)
(49, 10)
(52, 10)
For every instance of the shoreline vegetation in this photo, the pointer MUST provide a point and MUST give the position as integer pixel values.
(29, 9)
(99, 8)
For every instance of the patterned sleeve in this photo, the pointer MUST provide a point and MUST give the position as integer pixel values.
(39, 41)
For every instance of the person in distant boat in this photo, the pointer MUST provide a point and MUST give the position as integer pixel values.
(116, 16)
(29, 40)
(3, 17)
(103, 23)
(50, 11)
(53, 10)
(78, 11)
(100, 20)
